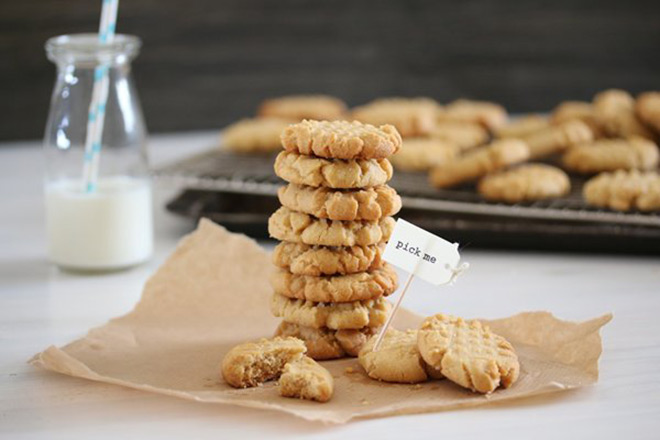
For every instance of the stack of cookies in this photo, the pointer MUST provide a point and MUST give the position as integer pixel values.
(330, 282)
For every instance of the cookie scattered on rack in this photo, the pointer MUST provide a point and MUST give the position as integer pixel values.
(615, 112)
(525, 183)
(480, 161)
(490, 115)
(462, 134)
(412, 117)
(557, 138)
(298, 107)
(624, 191)
(422, 154)
(636, 153)
(647, 109)
(259, 135)
(577, 110)
(522, 127)
(330, 284)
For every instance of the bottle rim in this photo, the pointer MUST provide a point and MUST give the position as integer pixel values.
(87, 47)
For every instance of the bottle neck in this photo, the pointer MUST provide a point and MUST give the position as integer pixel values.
(85, 50)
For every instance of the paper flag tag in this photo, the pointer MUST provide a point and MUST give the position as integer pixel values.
(423, 254)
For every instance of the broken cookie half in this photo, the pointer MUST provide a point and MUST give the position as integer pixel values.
(306, 379)
(253, 363)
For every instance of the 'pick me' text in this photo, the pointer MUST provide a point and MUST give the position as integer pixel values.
(414, 250)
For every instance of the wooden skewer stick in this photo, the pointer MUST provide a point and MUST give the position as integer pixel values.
(455, 272)
(381, 335)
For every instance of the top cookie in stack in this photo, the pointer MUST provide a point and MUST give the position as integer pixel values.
(330, 282)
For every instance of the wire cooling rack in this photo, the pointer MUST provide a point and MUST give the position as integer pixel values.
(217, 170)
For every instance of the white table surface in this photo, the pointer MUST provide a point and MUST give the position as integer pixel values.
(40, 306)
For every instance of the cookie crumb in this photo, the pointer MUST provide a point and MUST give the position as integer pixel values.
(349, 370)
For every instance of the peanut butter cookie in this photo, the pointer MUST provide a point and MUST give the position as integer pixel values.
(336, 288)
(421, 154)
(341, 139)
(525, 183)
(468, 353)
(298, 107)
(488, 114)
(397, 359)
(647, 108)
(364, 204)
(479, 162)
(411, 116)
(615, 112)
(297, 227)
(323, 343)
(253, 363)
(624, 190)
(316, 171)
(523, 126)
(254, 135)
(463, 134)
(635, 153)
(558, 138)
(582, 111)
(335, 316)
(306, 379)
(303, 259)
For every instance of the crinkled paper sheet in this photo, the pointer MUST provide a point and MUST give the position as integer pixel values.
(213, 293)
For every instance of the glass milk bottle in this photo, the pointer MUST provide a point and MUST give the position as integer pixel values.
(107, 225)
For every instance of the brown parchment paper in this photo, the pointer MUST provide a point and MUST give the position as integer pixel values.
(213, 293)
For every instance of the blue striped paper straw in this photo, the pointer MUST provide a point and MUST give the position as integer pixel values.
(96, 115)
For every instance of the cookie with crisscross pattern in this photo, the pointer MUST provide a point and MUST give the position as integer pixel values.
(341, 139)
(317, 171)
(363, 204)
(335, 316)
(287, 225)
(336, 288)
(468, 353)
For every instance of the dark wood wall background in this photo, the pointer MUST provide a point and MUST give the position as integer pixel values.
(207, 62)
